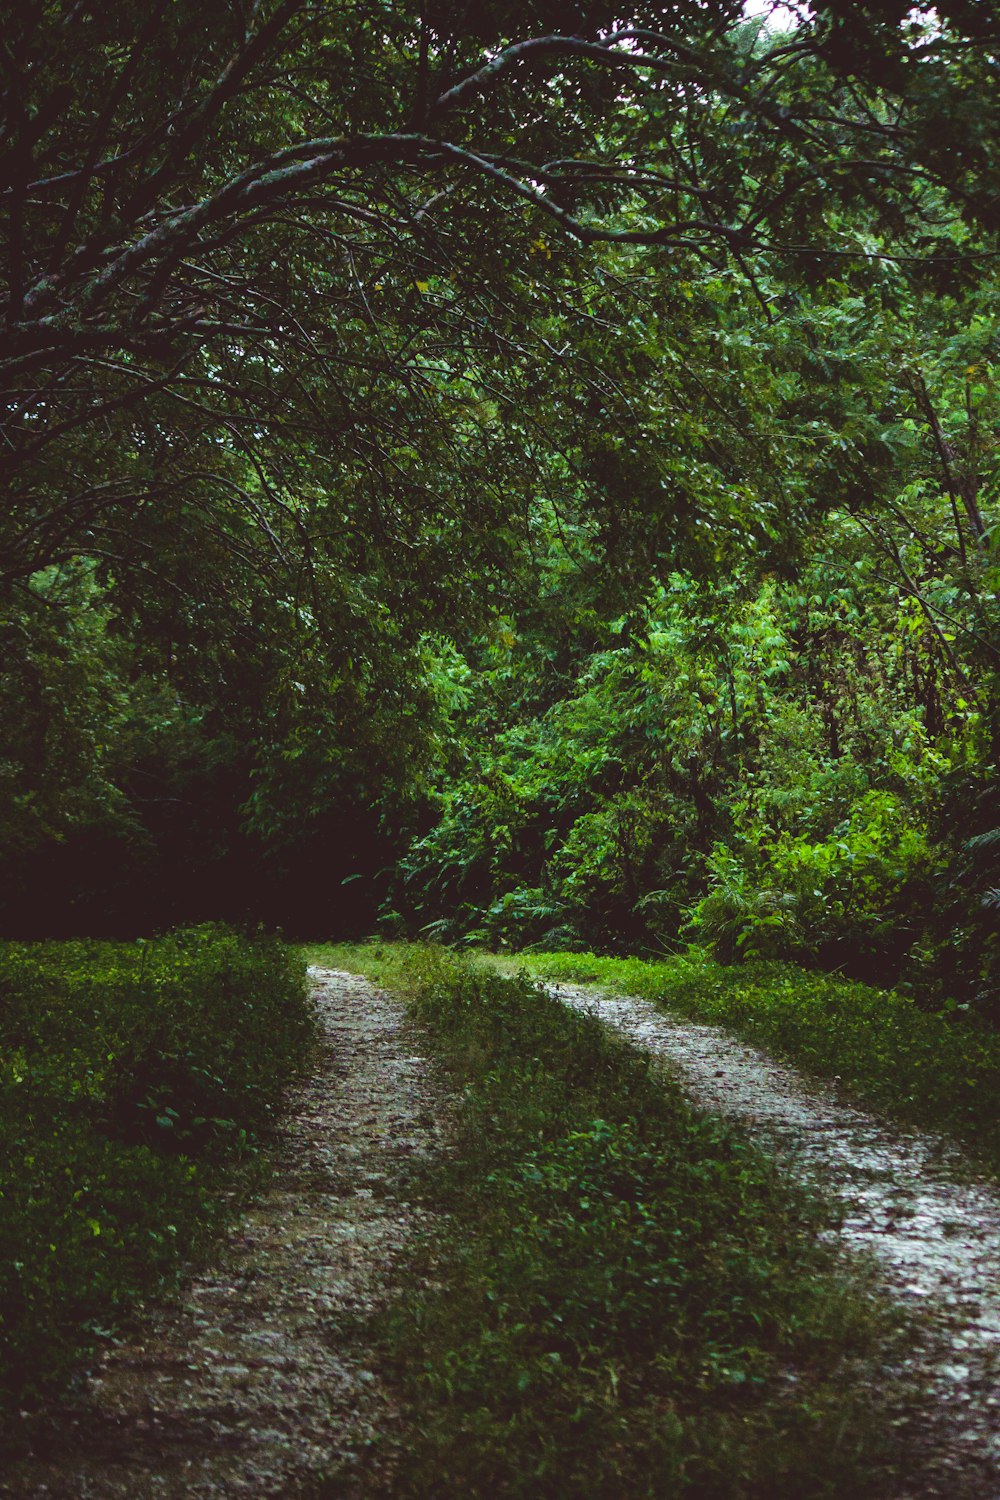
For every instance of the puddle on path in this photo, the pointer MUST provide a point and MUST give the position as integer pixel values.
(908, 1199)
(254, 1384)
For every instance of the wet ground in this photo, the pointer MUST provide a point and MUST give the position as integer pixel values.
(257, 1382)
(906, 1198)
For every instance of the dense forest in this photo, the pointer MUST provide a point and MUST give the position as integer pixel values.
(520, 473)
(523, 474)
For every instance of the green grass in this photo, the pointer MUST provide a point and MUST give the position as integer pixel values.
(135, 1079)
(922, 1067)
(626, 1298)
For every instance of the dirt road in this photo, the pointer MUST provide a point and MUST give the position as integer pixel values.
(256, 1381)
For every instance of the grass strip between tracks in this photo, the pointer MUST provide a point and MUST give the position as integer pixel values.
(626, 1298)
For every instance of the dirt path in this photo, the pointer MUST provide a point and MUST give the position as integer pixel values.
(255, 1384)
(257, 1381)
(908, 1200)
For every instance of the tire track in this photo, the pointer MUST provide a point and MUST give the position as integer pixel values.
(257, 1382)
(908, 1199)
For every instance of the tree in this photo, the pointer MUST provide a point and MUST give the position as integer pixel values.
(316, 323)
(253, 254)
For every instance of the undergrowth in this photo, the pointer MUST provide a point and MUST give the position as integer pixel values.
(625, 1299)
(929, 1068)
(134, 1079)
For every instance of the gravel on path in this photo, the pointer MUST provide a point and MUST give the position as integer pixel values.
(907, 1198)
(257, 1382)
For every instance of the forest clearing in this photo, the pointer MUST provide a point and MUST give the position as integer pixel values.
(500, 749)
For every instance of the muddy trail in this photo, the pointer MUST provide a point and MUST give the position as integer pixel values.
(906, 1198)
(256, 1382)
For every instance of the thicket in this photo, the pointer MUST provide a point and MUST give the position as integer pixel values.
(625, 1297)
(576, 474)
(795, 759)
(135, 1079)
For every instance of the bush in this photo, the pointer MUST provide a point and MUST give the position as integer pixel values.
(853, 900)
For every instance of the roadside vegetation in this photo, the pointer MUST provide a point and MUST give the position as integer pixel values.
(626, 1298)
(524, 476)
(927, 1068)
(136, 1082)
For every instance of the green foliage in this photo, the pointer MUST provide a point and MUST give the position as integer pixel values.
(789, 768)
(377, 488)
(624, 1289)
(848, 893)
(62, 701)
(148, 774)
(941, 1071)
(380, 496)
(135, 1078)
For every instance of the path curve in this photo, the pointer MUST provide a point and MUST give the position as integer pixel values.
(254, 1384)
(908, 1198)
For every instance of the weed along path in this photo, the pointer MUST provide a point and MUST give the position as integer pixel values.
(256, 1382)
(907, 1199)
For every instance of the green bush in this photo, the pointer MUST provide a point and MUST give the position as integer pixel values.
(851, 897)
(134, 1077)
